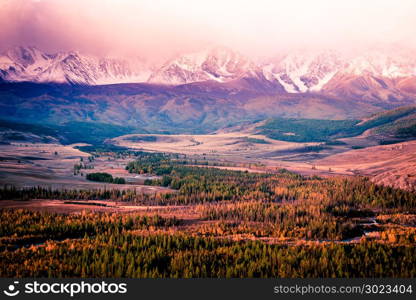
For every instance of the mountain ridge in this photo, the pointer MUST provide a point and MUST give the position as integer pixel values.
(380, 75)
(30, 64)
(177, 109)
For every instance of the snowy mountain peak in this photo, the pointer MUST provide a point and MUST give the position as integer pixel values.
(383, 63)
(217, 64)
(300, 72)
(25, 55)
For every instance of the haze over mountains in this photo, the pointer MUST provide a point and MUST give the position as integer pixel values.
(377, 74)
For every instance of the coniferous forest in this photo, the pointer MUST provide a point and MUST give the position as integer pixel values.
(213, 222)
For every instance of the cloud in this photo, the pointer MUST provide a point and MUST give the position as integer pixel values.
(161, 28)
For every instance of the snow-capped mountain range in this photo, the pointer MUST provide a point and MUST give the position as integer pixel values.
(31, 64)
(308, 72)
(368, 73)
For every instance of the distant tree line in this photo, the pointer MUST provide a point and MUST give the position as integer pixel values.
(105, 177)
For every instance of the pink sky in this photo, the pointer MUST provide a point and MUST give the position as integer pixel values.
(162, 28)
